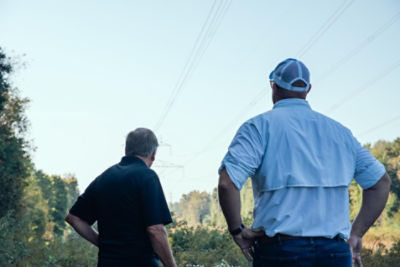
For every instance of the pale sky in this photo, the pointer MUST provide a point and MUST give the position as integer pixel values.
(97, 69)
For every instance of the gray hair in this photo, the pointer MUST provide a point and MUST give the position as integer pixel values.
(141, 142)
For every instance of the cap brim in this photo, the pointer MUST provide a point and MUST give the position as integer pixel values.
(271, 75)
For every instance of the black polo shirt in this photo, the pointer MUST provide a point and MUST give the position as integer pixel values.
(124, 200)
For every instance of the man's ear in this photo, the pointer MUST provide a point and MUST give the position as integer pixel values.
(153, 156)
(309, 88)
(274, 86)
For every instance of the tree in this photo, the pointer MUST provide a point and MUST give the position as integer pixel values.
(71, 185)
(15, 162)
(58, 204)
(59, 193)
(247, 200)
(216, 217)
(193, 207)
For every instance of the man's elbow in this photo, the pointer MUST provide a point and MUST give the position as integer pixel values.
(223, 188)
(383, 184)
(156, 230)
(387, 181)
(70, 219)
(225, 183)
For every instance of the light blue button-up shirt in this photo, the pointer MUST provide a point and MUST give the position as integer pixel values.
(301, 164)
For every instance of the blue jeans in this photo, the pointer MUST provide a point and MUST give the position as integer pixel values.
(306, 251)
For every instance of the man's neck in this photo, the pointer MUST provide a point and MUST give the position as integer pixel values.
(147, 160)
(277, 99)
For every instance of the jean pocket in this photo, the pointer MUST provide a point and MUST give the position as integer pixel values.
(339, 255)
(342, 259)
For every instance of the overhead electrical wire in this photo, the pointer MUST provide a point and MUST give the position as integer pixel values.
(338, 12)
(185, 69)
(214, 18)
(379, 126)
(359, 47)
(212, 141)
(229, 125)
(365, 86)
(328, 23)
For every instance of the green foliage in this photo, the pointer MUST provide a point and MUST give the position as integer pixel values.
(35, 210)
(247, 200)
(215, 218)
(382, 257)
(59, 194)
(389, 154)
(203, 246)
(14, 158)
(58, 204)
(37, 235)
(71, 185)
(202, 208)
(20, 246)
(355, 196)
(73, 251)
(5, 70)
(193, 207)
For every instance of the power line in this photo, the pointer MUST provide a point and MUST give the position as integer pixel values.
(166, 165)
(328, 23)
(365, 86)
(338, 12)
(203, 40)
(212, 142)
(176, 89)
(229, 125)
(359, 47)
(208, 37)
(380, 126)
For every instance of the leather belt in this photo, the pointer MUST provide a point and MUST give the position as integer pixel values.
(266, 239)
(282, 237)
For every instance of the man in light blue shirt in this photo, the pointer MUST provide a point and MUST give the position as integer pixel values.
(301, 164)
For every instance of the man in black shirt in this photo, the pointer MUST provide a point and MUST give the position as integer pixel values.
(128, 203)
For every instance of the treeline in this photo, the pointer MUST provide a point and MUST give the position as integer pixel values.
(35, 233)
(33, 204)
(202, 208)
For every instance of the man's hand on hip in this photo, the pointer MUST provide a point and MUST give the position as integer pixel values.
(245, 241)
(355, 243)
(373, 202)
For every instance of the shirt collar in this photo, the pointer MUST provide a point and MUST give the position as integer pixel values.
(126, 160)
(291, 102)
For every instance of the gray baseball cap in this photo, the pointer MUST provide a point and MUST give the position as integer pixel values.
(289, 71)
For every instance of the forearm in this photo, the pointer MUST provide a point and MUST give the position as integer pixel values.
(159, 241)
(87, 232)
(229, 199)
(373, 202)
(83, 229)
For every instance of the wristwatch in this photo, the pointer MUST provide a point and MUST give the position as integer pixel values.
(237, 230)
